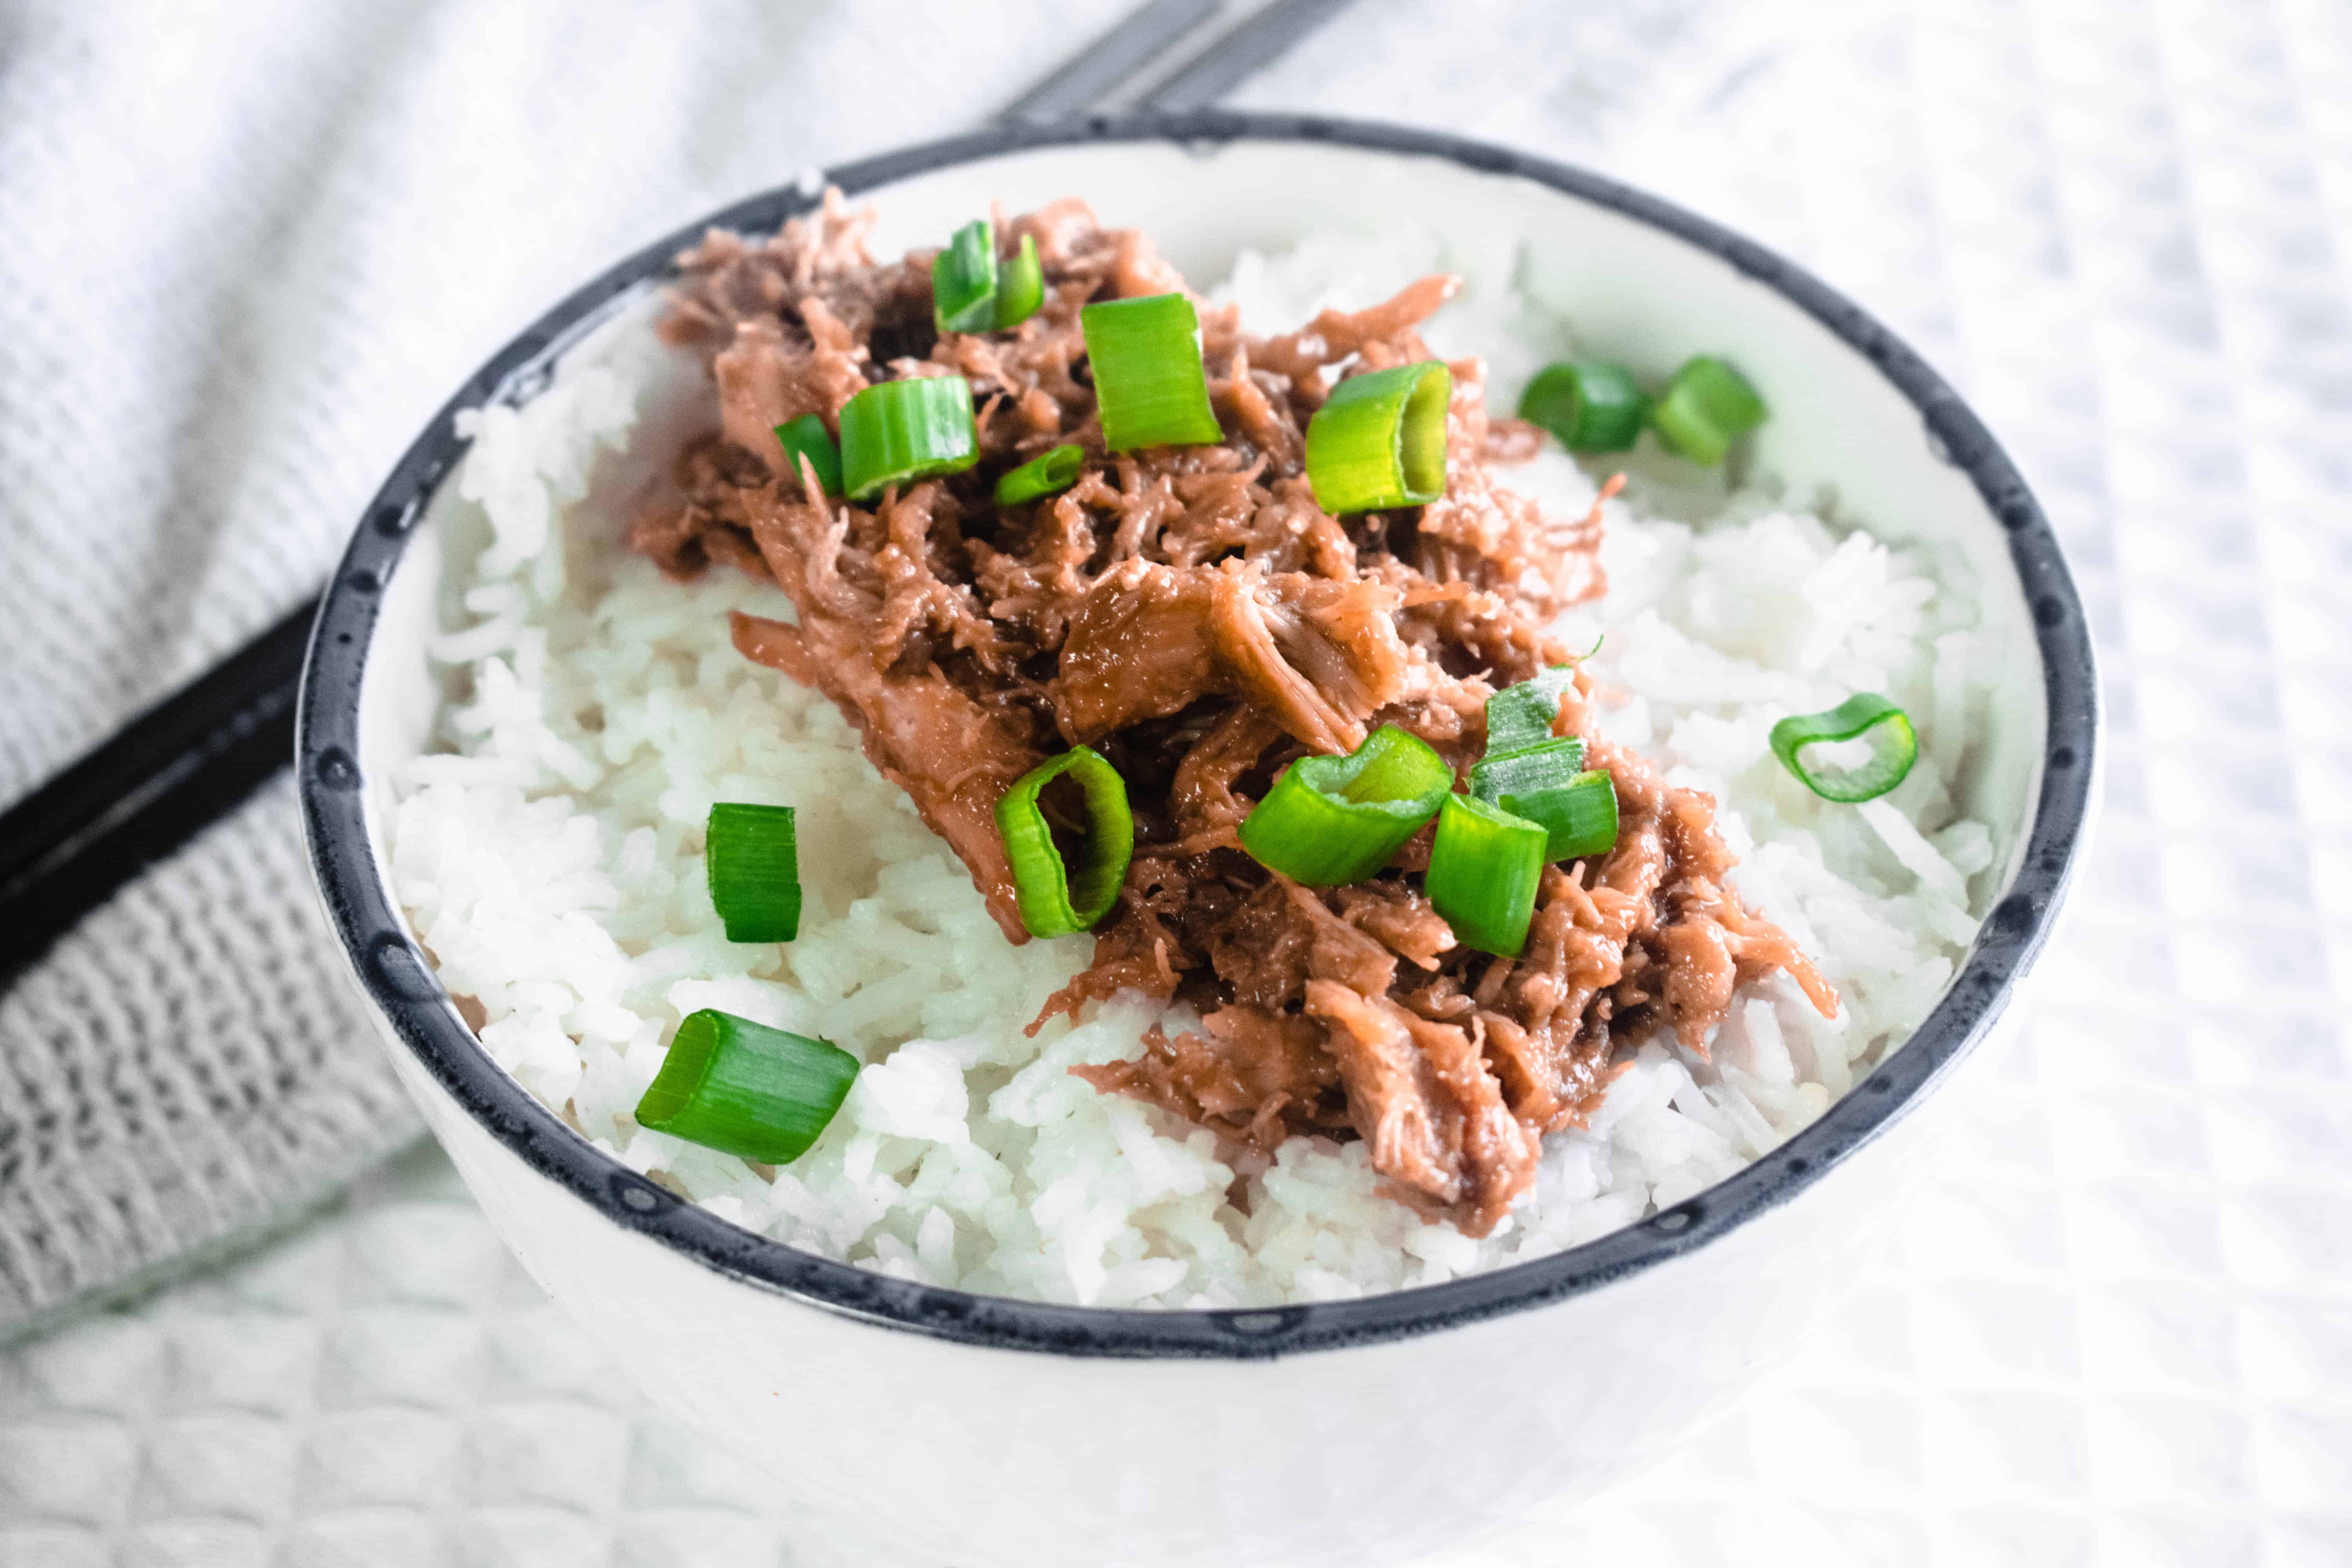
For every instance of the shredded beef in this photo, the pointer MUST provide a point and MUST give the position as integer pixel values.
(1191, 612)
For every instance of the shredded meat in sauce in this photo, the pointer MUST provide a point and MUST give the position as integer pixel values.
(1190, 613)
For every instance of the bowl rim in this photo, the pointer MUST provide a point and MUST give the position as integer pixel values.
(397, 980)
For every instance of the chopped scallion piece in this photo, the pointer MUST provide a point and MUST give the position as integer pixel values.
(806, 437)
(973, 292)
(1534, 774)
(1579, 817)
(1330, 821)
(1894, 747)
(1149, 382)
(1523, 715)
(963, 280)
(753, 866)
(746, 1089)
(1379, 440)
(1484, 867)
(1053, 901)
(1547, 765)
(1704, 408)
(895, 431)
(1591, 406)
(1020, 286)
(1048, 474)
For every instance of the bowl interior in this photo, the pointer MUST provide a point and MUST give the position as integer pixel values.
(1843, 436)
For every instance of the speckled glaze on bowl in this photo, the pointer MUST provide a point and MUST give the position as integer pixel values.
(987, 1430)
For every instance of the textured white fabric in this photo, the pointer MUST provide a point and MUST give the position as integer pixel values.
(2119, 1331)
(184, 1067)
(245, 248)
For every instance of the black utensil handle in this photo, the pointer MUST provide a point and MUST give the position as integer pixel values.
(1240, 54)
(177, 767)
(1087, 78)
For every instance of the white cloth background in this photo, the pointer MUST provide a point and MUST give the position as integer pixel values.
(245, 248)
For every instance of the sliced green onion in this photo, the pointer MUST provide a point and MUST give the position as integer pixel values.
(963, 280)
(896, 431)
(746, 1089)
(1706, 408)
(753, 865)
(1591, 406)
(1149, 382)
(1484, 867)
(806, 437)
(1047, 475)
(1379, 440)
(1053, 901)
(1330, 821)
(1522, 715)
(1533, 775)
(1894, 747)
(972, 291)
(1547, 765)
(1579, 817)
(1020, 286)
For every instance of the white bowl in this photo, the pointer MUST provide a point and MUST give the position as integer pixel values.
(987, 1430)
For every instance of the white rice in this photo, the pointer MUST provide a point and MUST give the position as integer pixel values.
(551, 862)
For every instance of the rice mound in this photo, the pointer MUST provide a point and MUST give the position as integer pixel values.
(551, 862)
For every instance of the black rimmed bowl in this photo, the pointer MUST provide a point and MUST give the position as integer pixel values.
(989, 1430)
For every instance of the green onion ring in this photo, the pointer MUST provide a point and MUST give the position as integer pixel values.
(1534, 774)
(752, 863)
(1894, 747)
(1053, 903)
(1484, 866)
(1150, 386)
(1547, 765)
(1579, 817)
(1020, 286)
(1522, 715)
(806, 437)
(895, 431)
(1591, 406)
(963, 280)
(746, 1089)
(1049, 473)
(1379, 440)
(1330, 821)
(1705, 407)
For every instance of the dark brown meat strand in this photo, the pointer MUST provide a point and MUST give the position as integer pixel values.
(1193, 614)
